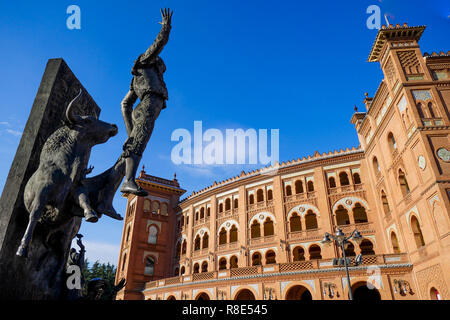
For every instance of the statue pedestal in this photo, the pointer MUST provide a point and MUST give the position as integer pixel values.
(41, 275)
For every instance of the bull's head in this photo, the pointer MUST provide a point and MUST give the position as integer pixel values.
(89, 127)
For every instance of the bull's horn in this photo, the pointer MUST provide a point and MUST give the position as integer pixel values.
(69, 111)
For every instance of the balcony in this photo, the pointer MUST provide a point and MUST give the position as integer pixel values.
(396, 260)
(199, 253)
(300, 196)
(227, 213)
(201, 221)
(363, 228)
(346, 189)
(227, 246)
(311, 234)
(259, 205)
(261, 240)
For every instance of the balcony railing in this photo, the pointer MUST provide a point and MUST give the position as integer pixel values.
(260, 240)
(279, 268)
(227, 246)
(201, 221)
(259, 205)
(363, 228)
(346, 189)
(227, 213)
(200, 252)
(300, 196)
(310, 234)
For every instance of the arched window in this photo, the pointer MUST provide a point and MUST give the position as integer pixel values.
(236, 203)
(403, 183)
(208, 211)
(196, 268)
(197, 243)
(343, 179)
(164, 209)
(220, 207)
(155, 207)
(152, 234)
(178, 250)
(233, 234)
(222, 264)
(385, 202)
(433, 114)
(288, 191)
(233, 262)
(196, 215)
(205, 241)
(183, 250)
(295, 222)
(259, 195)
(418, 236)
(124, 261)
(187, 220)
(299, 254)
(359, 213)
(310, 186)
(349, 250)
(392, 142)
(255, 230)
(227, 204)
(434, 294)
(315, 252)
(182, 221)
(149, 266)
(146, 205)
(298, 186)
(376, 166)
(342, 217)
(183, 270)
(331, 182)
(356, 178)
(366, 247)
(270, 257)
(421, 111)
(251, 199)
(256, 259)
(205, 266)
(222, 236)
(394, 242)
(310, 220)
(269, 194)
(268, 227)
(128, 233)
(202, 213)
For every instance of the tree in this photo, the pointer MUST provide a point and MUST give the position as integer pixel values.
(107, 272)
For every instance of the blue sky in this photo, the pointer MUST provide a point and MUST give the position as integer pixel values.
(296, 66)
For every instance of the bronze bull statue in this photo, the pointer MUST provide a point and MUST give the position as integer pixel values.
(62, 170)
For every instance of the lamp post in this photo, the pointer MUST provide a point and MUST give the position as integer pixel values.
(340, 239)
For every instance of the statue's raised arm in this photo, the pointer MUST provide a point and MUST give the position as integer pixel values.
(161, 40)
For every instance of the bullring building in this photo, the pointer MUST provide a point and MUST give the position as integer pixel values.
(258, 235)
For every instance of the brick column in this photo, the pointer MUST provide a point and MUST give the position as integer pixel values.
(213, 235)
(280, 219)
(189, 239)
(243, 228)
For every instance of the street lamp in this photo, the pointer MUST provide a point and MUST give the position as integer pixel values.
(340, 239)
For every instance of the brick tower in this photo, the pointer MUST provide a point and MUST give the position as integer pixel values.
(405, 135)
(147, 248)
